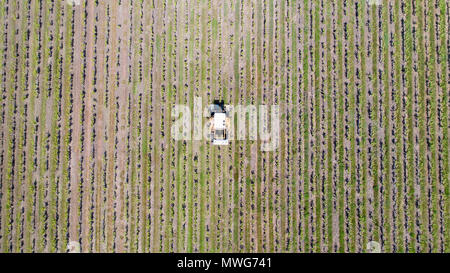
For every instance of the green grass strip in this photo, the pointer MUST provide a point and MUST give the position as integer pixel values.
(248, 85)
(2, 52)
(433, 126)
(294, 150)
(190, 195)
(203, 57)
(364, 113)
(340, 73)
(445, 140)
(386, 245)
(52, 232)
(306, 237)
(422, 124)
(65, 145)
(399, 225)
(259, 60)
(329, 116)
(180, 146)
(214, 93)
(282, 180)
(42, 129)
(31, 132)
(374, 117)
(146, 134)
(156, 154)
(352, 127)
(236, 49)
(168, 156)
(316, 127)
(110, 233)
(410, 127)
(136, 33)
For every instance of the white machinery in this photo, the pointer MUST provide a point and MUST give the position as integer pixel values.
(219, 123)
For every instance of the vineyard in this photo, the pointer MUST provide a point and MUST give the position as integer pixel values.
(86, 153)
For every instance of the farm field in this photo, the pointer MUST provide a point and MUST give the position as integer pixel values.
(86, 148)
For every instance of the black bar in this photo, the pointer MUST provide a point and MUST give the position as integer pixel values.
(273, 262)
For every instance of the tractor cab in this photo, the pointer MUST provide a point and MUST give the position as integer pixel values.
(219, 120)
